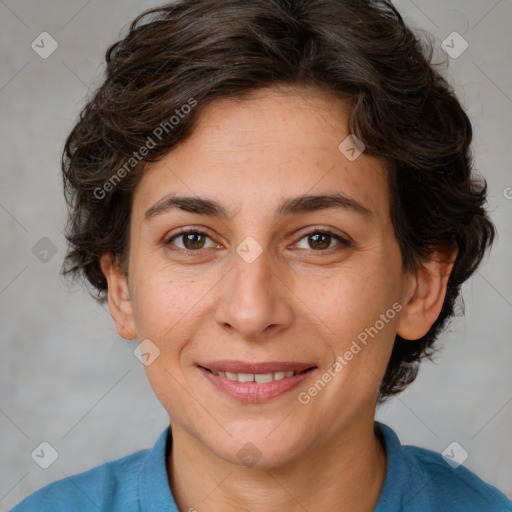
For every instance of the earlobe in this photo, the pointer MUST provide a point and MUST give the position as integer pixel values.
(424, 299)
(119, 300)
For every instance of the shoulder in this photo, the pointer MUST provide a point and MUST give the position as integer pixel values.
(421, 480)
(111, 486)
(444, 484)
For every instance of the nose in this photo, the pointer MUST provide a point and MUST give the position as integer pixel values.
(255, 301)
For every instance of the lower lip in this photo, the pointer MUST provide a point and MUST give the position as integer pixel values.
(255, 391)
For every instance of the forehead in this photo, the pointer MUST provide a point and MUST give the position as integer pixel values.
(253, 152)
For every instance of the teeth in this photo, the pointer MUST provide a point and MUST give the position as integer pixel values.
(263, 377)
(254, 377)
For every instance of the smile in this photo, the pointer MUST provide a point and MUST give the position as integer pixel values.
(255, 377)
(259, 382)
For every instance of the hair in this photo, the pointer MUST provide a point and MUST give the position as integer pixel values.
(193, 52)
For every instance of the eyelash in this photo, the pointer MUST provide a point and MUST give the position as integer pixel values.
(186, 231)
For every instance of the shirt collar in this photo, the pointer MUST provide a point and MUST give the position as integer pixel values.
(389, 498)
(155, 493)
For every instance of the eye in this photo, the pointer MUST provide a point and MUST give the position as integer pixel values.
(320, 240)
(192, 240)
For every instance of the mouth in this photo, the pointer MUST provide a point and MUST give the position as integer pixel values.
(256, 377)
(255, 382)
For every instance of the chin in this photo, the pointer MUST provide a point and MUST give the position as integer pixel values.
(257, 449)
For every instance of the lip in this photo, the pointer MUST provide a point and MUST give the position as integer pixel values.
(255, 392)
(266, 367)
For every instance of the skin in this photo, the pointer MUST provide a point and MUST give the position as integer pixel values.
(294, 302)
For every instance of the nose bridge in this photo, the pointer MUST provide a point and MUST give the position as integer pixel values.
(252, 300)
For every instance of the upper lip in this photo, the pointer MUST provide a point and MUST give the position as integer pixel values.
(264, 367)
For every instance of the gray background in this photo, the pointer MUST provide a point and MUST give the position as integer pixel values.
(68, 379)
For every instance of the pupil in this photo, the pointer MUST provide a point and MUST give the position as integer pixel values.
(318, 240)
(190, 239)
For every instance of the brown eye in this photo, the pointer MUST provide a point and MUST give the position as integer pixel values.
(191, 240)
(319, 241)
(322, 241)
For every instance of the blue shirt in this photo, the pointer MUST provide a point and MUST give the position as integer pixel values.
(417, 480)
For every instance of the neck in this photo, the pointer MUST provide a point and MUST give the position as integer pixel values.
(346, 474)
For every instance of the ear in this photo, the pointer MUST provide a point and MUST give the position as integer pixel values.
(119, 301)
(425, 297)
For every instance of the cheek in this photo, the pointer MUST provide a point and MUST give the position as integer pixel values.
(170, 304)
(166, 312)
(358, 309)
(361, 327)
(161, 304)
(350, 298)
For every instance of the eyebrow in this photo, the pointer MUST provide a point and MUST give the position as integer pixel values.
(291, 206)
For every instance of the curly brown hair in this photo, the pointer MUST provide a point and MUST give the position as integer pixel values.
(197, 51)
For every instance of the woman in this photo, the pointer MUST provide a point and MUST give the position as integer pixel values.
(276, 198)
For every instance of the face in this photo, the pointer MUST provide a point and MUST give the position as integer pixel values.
(267, 281)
